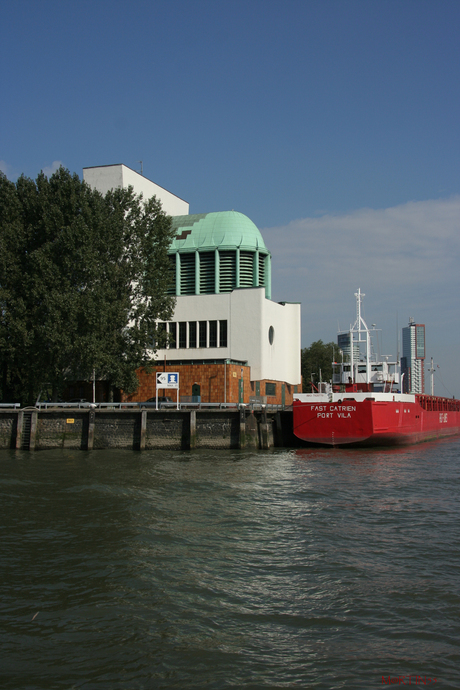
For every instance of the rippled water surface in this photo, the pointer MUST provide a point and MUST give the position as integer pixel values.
(306, 568)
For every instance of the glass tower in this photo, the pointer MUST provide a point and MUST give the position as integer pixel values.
(413, 357)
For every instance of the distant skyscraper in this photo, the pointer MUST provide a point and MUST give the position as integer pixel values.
(413, 357)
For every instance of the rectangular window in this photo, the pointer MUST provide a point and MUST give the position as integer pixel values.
(172, 335)
(203, 334)
(270, 389)
(222, 333)
(182, 334)
(192, 334)
(159, 340)
(213, 334)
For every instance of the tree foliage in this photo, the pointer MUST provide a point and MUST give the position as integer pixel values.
(83, 279)
(316, 363)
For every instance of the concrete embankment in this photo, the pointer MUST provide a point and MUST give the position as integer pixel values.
(142, 429)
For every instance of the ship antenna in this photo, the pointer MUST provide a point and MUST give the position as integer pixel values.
(431, 370)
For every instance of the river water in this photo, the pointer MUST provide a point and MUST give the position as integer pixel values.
(212, 569)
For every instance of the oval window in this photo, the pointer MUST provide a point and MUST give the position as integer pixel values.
(271, 335)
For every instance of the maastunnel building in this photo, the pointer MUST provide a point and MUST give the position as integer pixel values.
(227, 340)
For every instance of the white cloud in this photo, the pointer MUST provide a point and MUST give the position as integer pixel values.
(405, 259)
(8, 170)
(49, 170)
(13, 174)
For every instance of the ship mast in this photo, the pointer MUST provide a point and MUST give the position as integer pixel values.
(364, 369)
(431, 370)
(360, 327)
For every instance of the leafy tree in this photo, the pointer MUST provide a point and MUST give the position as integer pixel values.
(83, 279)
(316, 363)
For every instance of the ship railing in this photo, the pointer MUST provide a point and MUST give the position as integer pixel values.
(435, 403)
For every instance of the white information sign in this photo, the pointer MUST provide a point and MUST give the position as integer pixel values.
(167, 379)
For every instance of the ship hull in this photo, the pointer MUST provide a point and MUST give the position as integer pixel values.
(375, 422)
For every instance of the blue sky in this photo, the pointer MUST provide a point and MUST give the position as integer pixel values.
(333, 125)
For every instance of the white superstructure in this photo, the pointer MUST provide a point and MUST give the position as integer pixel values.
(361, 364)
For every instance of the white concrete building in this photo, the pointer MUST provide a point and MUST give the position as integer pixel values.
(224, 315)
(107, 177)
(222, 280)
(241, 327)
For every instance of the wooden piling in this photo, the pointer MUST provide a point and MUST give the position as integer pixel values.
(143, 429)
(192, 442)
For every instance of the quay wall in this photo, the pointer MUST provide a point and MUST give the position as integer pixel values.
(8, 423)
(140, 429)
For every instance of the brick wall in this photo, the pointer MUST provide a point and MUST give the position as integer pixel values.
(217, 382)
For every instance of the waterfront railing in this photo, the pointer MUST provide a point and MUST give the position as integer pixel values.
(252, 406)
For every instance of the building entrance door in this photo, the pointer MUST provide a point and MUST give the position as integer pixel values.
(196, 392)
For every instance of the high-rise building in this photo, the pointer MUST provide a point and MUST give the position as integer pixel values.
(413, 357)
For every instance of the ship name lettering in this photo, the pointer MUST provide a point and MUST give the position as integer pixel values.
(326, 412)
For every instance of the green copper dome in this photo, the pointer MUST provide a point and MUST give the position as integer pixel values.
(213, 253)
(222, 230)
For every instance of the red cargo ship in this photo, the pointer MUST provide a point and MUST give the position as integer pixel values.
(364, 406)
